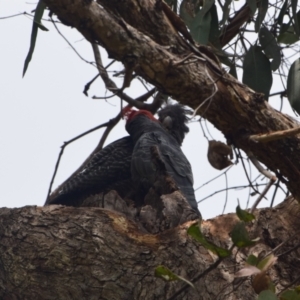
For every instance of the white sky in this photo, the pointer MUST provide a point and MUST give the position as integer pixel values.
(47, 107)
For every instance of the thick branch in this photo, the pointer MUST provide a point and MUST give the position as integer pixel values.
(91, 253)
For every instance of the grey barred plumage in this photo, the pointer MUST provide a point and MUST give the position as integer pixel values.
(109, 169)
(147, 133)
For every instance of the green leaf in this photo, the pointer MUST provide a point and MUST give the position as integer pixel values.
(295, 18)
(199, 21)
(288, 38)
(287, 32)
(244, 215)
(290, 295)
(214, 28)
(293, 86)
(194, 231)
(200, 28)
(226, 10)
(206, 7)
(282, 12)
(166, 274)
(257, 71)
(270, 47)
(262, 10)
(252, 5)
(267, 262)
(267, 295)
(286, 27)
(41, 26)
(239, 236)
(187, 12)
(252, 260)
(35, 25)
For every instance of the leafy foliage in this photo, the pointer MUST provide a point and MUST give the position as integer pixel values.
(240, 237)
(244, 215)
(166, 274)
(37, 24)
(195, 232)
(293, 86)
(257, 71)
(275, 22)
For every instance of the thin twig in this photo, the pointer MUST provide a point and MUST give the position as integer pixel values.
(88, 85)
(275, 192)
(230, 188)
(200, 275)
(260, 168)
(271, 182)
(203, 130)
(179, 62)
(289, 285)
(281, 244)
(266, 173)
(186, 286)
(208, 98)
(209, 181)
(16, 15)
(273, 136)
(289, 251)
(53, 22)
(111, 86)
(62, 151)
(226, 197)
(244, 167)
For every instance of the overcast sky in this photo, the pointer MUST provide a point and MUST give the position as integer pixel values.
(47, 107)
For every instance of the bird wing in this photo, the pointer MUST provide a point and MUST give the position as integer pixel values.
(109, 165)
(174, 158)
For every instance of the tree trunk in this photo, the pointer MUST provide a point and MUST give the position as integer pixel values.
(60, 252)
(92, 253)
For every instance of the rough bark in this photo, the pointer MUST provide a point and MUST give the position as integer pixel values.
(93, 253)
(60, 252)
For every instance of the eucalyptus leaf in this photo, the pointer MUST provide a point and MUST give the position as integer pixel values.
(267, 262)
(244, 215)
(166, 274)
(252, 260)
(257, 71)
(187, 13)
(195, 232)
(239, 236)
(267, 295)
(214, 28)
(206, 7)
(288, 37)
(293, 85)
(41, 26)
(252, 5)
(200, 28)
(295, 18)
(290, 295)
(262, 10)
(270, 47)
(36, 24)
